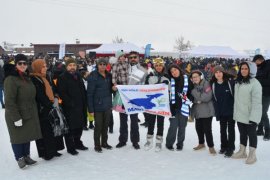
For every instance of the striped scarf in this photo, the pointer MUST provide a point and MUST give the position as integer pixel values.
(185, 101)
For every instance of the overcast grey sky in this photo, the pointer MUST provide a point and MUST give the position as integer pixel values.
(241, 24)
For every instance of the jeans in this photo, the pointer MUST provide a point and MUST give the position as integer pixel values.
(177, 123)
(21, 150)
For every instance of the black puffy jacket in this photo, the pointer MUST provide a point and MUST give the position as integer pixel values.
(263, 76)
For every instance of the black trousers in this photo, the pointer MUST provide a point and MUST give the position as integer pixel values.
(48, 145)
(151, 124)
(102, 120)
(73, 139)
(248, 131)
(227, 132)
(146, 118)
(265, 120)
(111, 121)
(204, 128)
(134, 128)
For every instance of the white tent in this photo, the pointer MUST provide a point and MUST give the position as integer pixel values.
(116, 47)
(267, 54)
(215, 51)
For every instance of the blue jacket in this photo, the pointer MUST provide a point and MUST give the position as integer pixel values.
(99, 92)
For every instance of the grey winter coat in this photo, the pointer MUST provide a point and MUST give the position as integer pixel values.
(21, 104)
(203, 105)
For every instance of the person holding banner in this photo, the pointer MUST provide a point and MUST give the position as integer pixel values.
(203, 110)
(179, 105)
(157, 77)
(134, 75)
(99, 95)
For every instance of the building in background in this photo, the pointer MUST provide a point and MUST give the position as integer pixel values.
(53, 49)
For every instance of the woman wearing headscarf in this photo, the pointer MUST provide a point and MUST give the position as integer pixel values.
(49, 145)
(21, 110)
(247, 110)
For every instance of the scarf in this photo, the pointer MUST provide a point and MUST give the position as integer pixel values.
(185, 101)
(48, 88)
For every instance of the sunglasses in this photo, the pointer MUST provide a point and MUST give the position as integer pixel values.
(132, 57)
(22, 63)
(102, 64)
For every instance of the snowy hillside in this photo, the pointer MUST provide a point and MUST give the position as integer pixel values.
(129, 164)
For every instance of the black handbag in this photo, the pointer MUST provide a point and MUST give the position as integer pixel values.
(58, 121)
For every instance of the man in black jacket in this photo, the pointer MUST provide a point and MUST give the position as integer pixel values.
(72, 91)
(263, 76)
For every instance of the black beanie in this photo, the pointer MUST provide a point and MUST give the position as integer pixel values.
(20, 57)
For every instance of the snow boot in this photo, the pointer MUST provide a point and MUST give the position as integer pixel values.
(241, 153)
(228, 153)
(159, 140)
(266, 136)
(260, 131)
(212, 151)
(21, 163)
(200, 146)
(29, 161)
(251, 156)
(149, 142)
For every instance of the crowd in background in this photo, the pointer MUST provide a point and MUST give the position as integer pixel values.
(51, 101)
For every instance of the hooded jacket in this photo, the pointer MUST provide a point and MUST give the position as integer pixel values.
(248, 99)
(20, 101)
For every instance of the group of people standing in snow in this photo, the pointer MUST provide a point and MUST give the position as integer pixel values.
(36, 107)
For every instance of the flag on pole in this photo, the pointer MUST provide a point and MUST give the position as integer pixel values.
(62, 50)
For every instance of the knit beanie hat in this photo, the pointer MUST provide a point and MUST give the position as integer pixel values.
(37, 65)
(218, 68)
(70, 60)
(119, 54)
(20, 57)
(197, 71)
(102, 60)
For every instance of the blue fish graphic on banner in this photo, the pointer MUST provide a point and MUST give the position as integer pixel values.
(145, 102)
(153, 99)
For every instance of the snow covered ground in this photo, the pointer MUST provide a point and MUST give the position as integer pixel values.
(129, 164)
